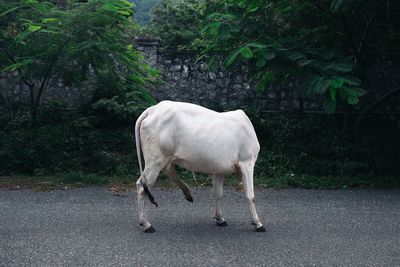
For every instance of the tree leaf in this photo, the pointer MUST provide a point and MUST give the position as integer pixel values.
(336, 83)
(124, 12)
(332, 92)
(212, 63)
(352, 100)
(339, 67)
(318, 84)
(34, 28)
(231, 58)
(214, 28)
(253, 7)
(270, 55)
(296, 56)
(110, 7)
(304, 62)
(261, 62)
(321, 85)
(354, 91)
(223, 32)
(327, 54)
(330, 105)
(31, 2)
(47, 20)
(265, 81)
(9, 11)
(21, 36)
(352, 94)
(246, 52)
(256, 45)
(44, 7)
(351, 80)
(17, 65)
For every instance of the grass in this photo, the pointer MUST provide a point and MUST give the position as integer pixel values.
(127, 182)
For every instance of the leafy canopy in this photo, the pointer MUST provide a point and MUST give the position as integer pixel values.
(320, 44)
(41, 41)
(177, 23)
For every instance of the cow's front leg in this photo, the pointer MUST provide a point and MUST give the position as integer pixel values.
(218, 184)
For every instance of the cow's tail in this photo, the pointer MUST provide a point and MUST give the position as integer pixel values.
(139, 156)
(137, 138)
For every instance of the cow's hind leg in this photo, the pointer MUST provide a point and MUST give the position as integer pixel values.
(148, 177)
(171, 173)
(246, 170)
(218, 185)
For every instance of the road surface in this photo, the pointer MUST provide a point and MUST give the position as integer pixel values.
(93, 227)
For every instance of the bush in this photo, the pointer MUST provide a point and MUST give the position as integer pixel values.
(293, 146)
(296, 150)
(72, 144)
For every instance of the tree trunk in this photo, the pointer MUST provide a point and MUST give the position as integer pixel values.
(32, 100)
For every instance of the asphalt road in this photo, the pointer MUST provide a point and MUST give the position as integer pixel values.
(93, 227)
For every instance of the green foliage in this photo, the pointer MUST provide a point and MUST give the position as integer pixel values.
(296, 151)
(75, 42)
(323, 45)
(115, 104)
(177, 23)
(81, 41)
(311, 151)
(75, 143)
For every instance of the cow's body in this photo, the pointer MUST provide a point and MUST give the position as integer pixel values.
(200, 140)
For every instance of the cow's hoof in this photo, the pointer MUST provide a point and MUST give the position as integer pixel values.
(261, 229)
(150, 230)
(224, 223)
(190, 199)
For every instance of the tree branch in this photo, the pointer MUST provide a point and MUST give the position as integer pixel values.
(47, 75)
(368, 28)
(351, 40)
(30, 85)
(343, 19)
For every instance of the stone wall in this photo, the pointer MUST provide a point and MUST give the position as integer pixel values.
(186, 78)
(14, 91)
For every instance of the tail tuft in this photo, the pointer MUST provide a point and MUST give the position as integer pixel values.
(147, 192)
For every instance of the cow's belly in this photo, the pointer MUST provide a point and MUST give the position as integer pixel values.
(207, 167)
(207, 158)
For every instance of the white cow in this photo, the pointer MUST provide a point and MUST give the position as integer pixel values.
(200, 140)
